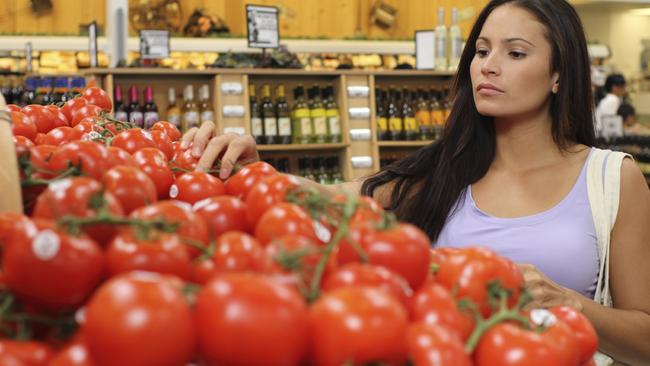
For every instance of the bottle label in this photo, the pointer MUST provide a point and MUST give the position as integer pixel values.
(410, 124)
(191, 119)
(207, 116)
(174, 119)
(136, 118)
(150, 118)
(438, 117)
(423, 118)
(395, 123)
(335, 125)
(270, 126)
(382, 123)
(284, 125)
(305, 126)
(121, 116)
(256, 126)
(320, 126)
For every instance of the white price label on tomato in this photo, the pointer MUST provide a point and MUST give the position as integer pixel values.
(359, 112)
(232, 88)
(233, 111)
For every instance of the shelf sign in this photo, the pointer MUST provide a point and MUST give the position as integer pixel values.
(262, 26)
(361, 162)
(359, 112)
(232, 88)
(358, 91)
(233, 111)
(236, 130)
(92, 44)
(154, 44)
(360, 134)
(425, 50)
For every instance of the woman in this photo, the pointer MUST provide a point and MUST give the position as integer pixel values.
(10, 197)
(511, 162)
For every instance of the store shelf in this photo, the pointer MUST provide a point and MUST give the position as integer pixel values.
(270, 72)
(302, 147)
(389, 144)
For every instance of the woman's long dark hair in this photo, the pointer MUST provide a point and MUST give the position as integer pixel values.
(427, 184)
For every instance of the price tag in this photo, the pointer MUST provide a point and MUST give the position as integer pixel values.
(360, 134)
(236, 130)
(361, 162)
(154, 44)
(357, 91)
(262, 26)
(233, 111)
(425, 50)
(359, 112)
(232, 88)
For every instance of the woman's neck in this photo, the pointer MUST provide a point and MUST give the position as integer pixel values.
(524, 143)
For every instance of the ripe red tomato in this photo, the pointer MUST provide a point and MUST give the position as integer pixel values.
(72, 105)
(49, 269)
(582, 329)
(139, 318)
(184, 162)
(75, 196)
(203, 270)
(162, 253)
(240, 312)
(196, 186)
(368, 275)
(121, 157)
(74, 354)
(98, 97)
(13, 108)
(133, 140)
(267, 193)
(41, 159)
(190, 225)
(469, 271)
(82, 112)
(93, 158)
(163, 143)
(8, 222)
(403, 249)
(132, 187)
(430, 345)
(24, 353)
(60, 135)
(222, 214)
(170, 129)
(434, 305)
(23, 144)
(284, 218)
(283, 252)
(238, 252)
(242, 182)
(508, 344)
(154, 164)
(358, 325)
(60, 120)
(22, 125)
(40, 116)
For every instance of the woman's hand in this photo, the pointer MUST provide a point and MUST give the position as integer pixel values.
(207, 145)
(546, 293)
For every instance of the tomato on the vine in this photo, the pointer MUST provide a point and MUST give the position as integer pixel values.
(90, 157)
(132, 187)
(22, 125)
(163, 143)
(133, 140)
(154, 164)
(120, 157)
(169, 128)
(582, 329)
(267, 193)
(435, 345)
(47, 268)
(222, 214)
(139, 318)
(71, 106)
(284, 218)
(243, 181)
(195, 186)
(247, 319)
(60, 135)
(24, 353)
(98, 97)
(238, 252)
(88, 110)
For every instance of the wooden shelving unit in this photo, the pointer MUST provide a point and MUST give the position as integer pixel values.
(357, 158)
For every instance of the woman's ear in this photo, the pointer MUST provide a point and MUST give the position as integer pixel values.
(556, 83)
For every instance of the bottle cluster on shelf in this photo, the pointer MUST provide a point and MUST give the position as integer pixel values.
(411, 114)
(324, 170)
(311, 119)
(184, 115)
(41, 90)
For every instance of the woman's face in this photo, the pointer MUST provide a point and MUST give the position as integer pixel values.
(511, 73)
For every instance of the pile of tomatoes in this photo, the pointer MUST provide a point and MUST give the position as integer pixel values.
(127, 256)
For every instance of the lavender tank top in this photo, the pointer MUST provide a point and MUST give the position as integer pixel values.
(561, 242)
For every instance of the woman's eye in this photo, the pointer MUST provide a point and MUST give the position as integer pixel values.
(482, 52)
(517, 55)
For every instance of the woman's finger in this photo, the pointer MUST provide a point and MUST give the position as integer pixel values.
(204, 134)
(212, 151)
(188, 137)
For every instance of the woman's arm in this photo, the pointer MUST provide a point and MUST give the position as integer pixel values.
(624, 331)
(10, 199)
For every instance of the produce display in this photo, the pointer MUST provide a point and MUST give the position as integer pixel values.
(127, 256)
